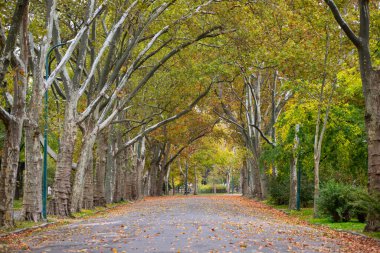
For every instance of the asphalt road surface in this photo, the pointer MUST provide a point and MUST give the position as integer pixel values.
(188, 224)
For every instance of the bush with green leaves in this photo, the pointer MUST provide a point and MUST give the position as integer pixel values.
(335, 200)
(279, 190)
(209, 188)
(342, 202)
(365, 203)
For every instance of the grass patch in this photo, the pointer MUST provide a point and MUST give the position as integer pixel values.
(17, 204)
(307, 215)
(20, 225)
(90, 212)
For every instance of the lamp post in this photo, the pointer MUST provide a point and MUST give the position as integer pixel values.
(44, 172)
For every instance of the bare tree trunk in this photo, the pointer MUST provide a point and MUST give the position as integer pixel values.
(130, 168)
(110, 168)
(87, 146)
(61, 190)
(167, 181)
(88, 194)
(120, 175)
(195, 182)
(256, 178)
(293, 172)
(244, 179)
(32, 196)
(100, 169)
(154, 169)
(14, 125)
(9, 166)
(140, 167)
(228, 181)
(372, 120)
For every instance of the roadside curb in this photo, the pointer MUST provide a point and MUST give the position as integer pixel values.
(19, 231)
(22, 230)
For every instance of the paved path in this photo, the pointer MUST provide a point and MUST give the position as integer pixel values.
(188, 224)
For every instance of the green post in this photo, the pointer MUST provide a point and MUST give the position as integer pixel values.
(46, 128)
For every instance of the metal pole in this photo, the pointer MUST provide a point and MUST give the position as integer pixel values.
(46, 128)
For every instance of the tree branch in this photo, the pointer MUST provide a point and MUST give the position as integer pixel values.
(166, 121)
(5, 116)
(343, 24)
(264, 137)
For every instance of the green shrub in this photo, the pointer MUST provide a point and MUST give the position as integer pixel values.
(208, 188)
(365, 203)
(336, 200)
(279, 190)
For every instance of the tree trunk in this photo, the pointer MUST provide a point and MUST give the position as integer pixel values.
(8, 174)
(167, 181)
(140, 167)
(110, 168)
(244, 179)
(154, 173)
(120, 186)
(11, 148)
(78, 186)
(293, 172)
(372, 119)
(88, 194)
(228, 181)
(100, 170)
(173, 186)
(264, 184)
(256, 178)
(61, 190)
(32, 200)
(131, 166)
(195, 182)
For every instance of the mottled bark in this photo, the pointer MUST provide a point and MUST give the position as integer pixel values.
(120, 186)
(88, 193)
(61, 191)
(228, 181)
(14, 124)
(32, 200)
(100, 169)
(9, 166)
(140, 167)
(154, 171)
(372, 120)
(293, 172)
(110, 168)
(244, 179)
(87, 147)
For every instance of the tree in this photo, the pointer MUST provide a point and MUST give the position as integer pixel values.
(371, 89)
(14, 118)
